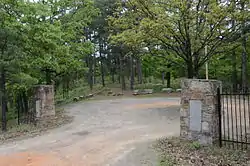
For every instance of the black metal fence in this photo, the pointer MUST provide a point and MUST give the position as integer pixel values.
(26, 109)
(21, 109)
(234, 119)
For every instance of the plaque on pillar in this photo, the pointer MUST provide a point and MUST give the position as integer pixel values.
(195, 115)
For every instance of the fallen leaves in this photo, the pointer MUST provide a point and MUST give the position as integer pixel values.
(174, 152)
(30, 130)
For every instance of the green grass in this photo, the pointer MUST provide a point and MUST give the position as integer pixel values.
(76, 92)
(166, 161)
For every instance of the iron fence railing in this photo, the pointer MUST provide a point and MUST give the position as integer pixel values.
(234, 119)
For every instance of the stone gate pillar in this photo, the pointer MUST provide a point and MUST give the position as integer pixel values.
(199, 116)
(45, 105)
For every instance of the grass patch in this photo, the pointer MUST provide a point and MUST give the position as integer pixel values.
(155, 87)
(175, 152)
(129, 95)
(159, 95)
(77, 92)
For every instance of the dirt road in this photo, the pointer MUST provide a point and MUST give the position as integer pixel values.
(111, 132)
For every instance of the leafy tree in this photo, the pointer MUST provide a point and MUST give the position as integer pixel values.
(41, 42)
(183, 28)
(11, 41)
(100, 33)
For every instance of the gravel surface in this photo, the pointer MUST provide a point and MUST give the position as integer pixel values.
(109, 132)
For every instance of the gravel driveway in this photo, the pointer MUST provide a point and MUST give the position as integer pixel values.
(104, 133)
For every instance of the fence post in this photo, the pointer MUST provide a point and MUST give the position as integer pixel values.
(219, 114)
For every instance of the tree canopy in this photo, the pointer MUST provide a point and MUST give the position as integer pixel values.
(182, 27)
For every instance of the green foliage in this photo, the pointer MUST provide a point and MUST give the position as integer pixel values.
(181, 28)
(155, 87)
(42, 42)
(195, 145)
(46, 39)
(166, 161)
(78, 90)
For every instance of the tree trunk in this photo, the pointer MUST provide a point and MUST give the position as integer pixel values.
(90, 79)
(244, 65)
(65, 86)
(190, 69)
(25, 102)
(102, 66)
(168, 79)
(163, 78)
(122, 74)
(19, 107)
(93, 69)
(139, 70)
(113, 70)
(113, 75)
(244, 52)
(123, 82)
(234, 63)
(234, 69)
(119, 77)
(4, 99)
(132, 75)
(48, 76)
(118, 67)
(196, 72)
(127, 73)
(102, 72)
(145, 75)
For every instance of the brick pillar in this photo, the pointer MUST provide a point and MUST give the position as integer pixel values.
(199, 116)
(45, 105)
